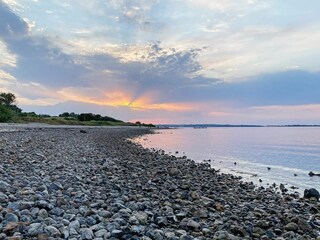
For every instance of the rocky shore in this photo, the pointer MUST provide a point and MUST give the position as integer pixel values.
(96, 184)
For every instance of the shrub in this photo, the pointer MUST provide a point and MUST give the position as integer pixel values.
(6, 114)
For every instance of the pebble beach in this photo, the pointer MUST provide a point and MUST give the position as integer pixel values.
(95, 183)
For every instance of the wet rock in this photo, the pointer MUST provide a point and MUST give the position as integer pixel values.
(311, 193)
(311, 174)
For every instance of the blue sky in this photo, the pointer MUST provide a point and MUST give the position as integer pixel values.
(178, 61)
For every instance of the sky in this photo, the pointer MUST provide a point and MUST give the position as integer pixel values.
(164, 61)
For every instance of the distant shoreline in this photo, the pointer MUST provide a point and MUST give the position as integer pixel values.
(229, 125)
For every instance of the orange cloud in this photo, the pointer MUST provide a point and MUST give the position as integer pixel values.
(120, 98)
(146, 103)
(96, 96)
(219, 114)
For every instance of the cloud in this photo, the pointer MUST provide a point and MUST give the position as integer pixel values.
(7, 58)
(228, 5)
(37, 58)
(239, 54)
(283, 88)
(37, 102)
(43, 63)
(6, 76)
(10, 25)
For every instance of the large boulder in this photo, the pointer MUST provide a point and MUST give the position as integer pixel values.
(309, 193)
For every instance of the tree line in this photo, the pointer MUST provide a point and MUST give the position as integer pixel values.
(10, 112)
(8, 108)
(88, 117)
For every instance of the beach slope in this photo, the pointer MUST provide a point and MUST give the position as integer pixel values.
(94, 183)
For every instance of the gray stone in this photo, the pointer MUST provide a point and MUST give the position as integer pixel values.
(74, 228)
(43, 214)
(137, 229)
(173, 171)
(311, 193)
(25, 205)
(86, 234)
(186, 237)
(117, 233)
(10, 227)
(205, 231)
(52, 231)
(44, 204)
(142, 217)
(221, 235)
(4, 186)
(155, 234)
(104, 214)
(133, 220)
(35, 229)
(10, 217)
(14, 206)
(291, 227)
(3, 236)
(194, 195)
(56, 186)
(101, 233)
(193, 224)
(75, 225)
(3, 198)
(180, 232)
(169, 235)
(202, 213)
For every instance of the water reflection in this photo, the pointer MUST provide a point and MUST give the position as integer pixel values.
(289, 153)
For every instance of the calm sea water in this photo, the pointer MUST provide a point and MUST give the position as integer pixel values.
(287, 151)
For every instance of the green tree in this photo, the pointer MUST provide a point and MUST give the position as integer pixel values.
(7, 99)
(65, 114)
(6, 114)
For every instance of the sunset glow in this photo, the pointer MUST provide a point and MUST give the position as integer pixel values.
(205, 61)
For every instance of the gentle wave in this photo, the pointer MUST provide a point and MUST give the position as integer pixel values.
(290, 153)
